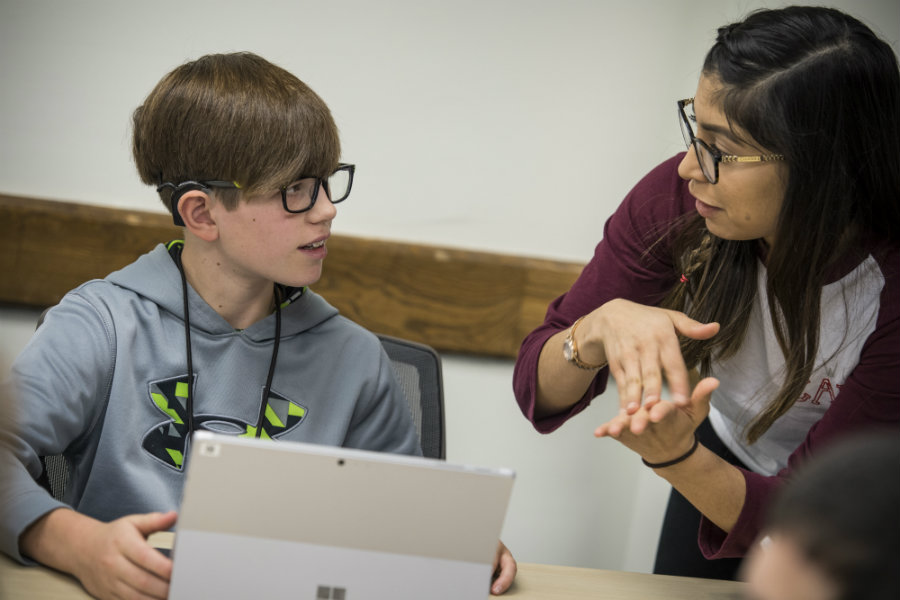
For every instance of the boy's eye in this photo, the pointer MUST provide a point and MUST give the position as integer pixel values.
(301, 187)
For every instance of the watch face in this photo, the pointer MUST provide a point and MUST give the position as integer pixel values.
(567, 349)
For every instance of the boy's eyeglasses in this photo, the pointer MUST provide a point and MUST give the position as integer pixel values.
(708, 156)
(301, 195)
(297, 197)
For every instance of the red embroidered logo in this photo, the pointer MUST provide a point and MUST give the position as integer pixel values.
(825, 387)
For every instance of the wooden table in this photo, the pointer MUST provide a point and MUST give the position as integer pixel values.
(552, 582)
(534, 582)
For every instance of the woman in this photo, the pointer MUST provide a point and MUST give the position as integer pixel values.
(767, 257)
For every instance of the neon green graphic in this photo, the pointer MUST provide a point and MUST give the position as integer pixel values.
(168, 440)
(272, 417)
(163, 403)
(177, 457)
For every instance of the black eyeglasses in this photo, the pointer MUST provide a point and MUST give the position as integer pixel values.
(708, 156)
(297, 197)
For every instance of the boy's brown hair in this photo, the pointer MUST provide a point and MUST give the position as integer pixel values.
(233, 117)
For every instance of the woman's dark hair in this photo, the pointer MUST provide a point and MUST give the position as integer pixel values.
(234, 117)
(841, 511)
(819, 87)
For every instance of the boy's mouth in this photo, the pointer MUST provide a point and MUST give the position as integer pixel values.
(313, 246)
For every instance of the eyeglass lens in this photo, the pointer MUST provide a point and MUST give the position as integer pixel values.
(300, 195)
(705, 155)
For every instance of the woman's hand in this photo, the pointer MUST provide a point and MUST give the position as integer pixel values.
(664, 433)
(640, 344)
(664, 430)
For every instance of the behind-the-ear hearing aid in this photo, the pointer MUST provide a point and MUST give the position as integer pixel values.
(178, 191)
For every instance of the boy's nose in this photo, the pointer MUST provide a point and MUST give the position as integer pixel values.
(323, 209)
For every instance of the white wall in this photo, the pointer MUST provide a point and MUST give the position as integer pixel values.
(497, 125)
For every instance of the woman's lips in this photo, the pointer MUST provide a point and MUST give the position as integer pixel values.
(706, 211)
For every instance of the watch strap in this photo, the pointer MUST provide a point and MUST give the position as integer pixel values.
(570, 349)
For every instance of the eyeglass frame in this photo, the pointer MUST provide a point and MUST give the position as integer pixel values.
(178, 190)
(718, 155)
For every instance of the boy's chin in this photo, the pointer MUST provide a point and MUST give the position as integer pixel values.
(299, 282)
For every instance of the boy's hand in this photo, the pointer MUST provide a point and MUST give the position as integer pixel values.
(504, 570)
(119, 563)
(112, 560)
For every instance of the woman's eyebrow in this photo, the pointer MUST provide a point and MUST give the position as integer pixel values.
(718, 130)
(725, 132)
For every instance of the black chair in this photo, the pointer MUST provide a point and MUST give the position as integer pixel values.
(418, 369)
(55, 475)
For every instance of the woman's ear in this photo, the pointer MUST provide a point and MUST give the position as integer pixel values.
(195, 208)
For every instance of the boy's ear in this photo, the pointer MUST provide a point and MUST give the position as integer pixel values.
(195, 208)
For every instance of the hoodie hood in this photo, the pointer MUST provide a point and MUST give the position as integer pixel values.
(155, 278)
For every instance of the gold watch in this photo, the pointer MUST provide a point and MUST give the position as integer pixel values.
(570, 349)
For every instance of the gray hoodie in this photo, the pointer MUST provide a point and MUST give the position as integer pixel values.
(103, 382)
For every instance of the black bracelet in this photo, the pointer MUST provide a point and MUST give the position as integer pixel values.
(674, 461)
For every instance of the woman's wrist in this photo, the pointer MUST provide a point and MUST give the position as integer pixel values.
(674, 461)
(571, 349)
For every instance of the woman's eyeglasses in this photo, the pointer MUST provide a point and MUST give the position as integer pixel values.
(708, 156)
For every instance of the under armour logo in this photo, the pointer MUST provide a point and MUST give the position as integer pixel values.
(167, 441)
(325, 592)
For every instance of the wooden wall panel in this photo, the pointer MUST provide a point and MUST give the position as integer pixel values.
(454, 300)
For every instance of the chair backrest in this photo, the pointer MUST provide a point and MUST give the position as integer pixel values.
(55, 475)
(418, 369)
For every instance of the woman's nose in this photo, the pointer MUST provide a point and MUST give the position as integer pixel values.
(689, 167)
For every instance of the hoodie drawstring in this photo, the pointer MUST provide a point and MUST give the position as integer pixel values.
(175, 252)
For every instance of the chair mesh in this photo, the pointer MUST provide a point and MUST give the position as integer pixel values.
(418, 370)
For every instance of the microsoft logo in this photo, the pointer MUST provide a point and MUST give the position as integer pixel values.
(325, 592)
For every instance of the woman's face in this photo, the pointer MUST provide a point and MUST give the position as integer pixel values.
(745, 202)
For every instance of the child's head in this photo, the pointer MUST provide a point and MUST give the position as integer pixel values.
(834, 528)
(233, 117)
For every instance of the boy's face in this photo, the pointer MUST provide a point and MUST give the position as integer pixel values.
(264, 243)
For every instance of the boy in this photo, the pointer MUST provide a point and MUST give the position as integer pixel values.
(218, 331)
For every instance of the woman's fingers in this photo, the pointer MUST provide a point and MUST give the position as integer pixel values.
(641, 345)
